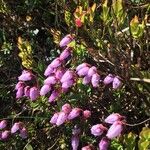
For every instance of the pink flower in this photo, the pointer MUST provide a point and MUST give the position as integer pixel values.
(104, 144)
(78, 22)
(86, 80)
(5, 135)
(54, 118)
(88, 147)
(68, 75)
(113, 117)
(20, 92)
(108, 79)
(53, 96)
(3, 124)
(19, 84)
(95, 80)
(34, 93)
(115, 130)
(65, 54)
(17, 126)
(44, 90)
(27, 91)
(67, 84)
(66, 108)
(83, 71)
(61, 118)
(59, 73)
(81, 66)
(74, 113)
(23, 133)
(75, 142)
(66, 40)
(49, 70)
(50, 80)
(86, 114)
(116, 83)
(26, 76)
(92, 71)
(98, 129)
(55, 63)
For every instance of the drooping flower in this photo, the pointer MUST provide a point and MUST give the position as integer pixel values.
(67, 84)
(61, 118)
(92, 71)
(45, 89)
(95, 80)
(23, 133)
(86, 80)
(113, 117)
(50, 80)
(88, 147)
(75, 142)
(104, 144)
(3, 124)
(53, 96)
(20, 92)
(66, 40)
(75, 112)
(16, 127)
(54, 118)
(27, 91)
(115, 129)
(25, 76)
(98, 129)
(108, 79)
(83, 71)
(59, 73)
(116, 82)
(55, 63)
(19, 84)
(81, 66)
(49, 70)
(66, 108)
(65, 54)
(68, 75)
(34, 93)
(5, 135)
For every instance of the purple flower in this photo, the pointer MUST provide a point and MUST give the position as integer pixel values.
(98, 129)
(34, 93)
(50, 80)
(17, 126)
(81, 66)
(27, 91)
(3, 124)
(67, 84)
(55, 63)
(65, 54)
(88, 147)
(86, 80)
(20, 92)
(76, 131)
(104, 144)
(68, 75)
(95, 80)
(66, 108)
(49, 70)
(44, 90)
(108, 79)
(113, 117)
(54, 118)
(66, 40)
(59, 73)
(86, 114)
(5, 135)
(115, 130)
(75, 142)
(61, 118)
(23, 133)
(116, 83)
(26, 76)
(83, 71)
(19, 84)
(92, 71)
(74, 113)
(53, 96)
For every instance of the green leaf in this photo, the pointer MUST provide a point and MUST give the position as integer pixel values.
(28, 147)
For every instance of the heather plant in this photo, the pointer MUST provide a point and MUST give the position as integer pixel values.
(80, 75)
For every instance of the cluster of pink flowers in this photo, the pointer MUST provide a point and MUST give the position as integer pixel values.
(17, 127)
(27, 86)
(67, 113)
(114, 131)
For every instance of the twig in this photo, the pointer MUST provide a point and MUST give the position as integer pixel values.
(138, 79)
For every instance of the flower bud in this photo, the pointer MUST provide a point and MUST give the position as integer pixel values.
(17, 126)
(54, 118)
(55, 63)
(104, 144)
(44, 90)
(61, 118)
(86, 80)
(95, 80)
(116, 83)
(26, 76)
(108, 79)
(115, 130)
(74, 113)
(20, 92)
(5, 135)
(34, 93)
(98, 129)
(83, 71)
(65, 54)
(27, 91)
(49, 70)
(86, 114)
(53, 96)
(68, 75)
(113, 117)
(75, 142)
(66, 108)
(23, 133)
(78, 22)
(50, 80)
(92, 71)
(67, 84)
(65, 41)
(3, 124)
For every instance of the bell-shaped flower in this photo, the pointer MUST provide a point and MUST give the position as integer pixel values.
(49, 70)
(65, 54)
(19, 84)
(104, 144)
(27, 91)
(16, 127)
(59, 73)
(45, 89)
(115, 130)
(50, 80)
(92, 71)
(88, 147)
(75, 112)
(20, 92)
(75, 142)
(23, 133)
(67, 84)
(68, 75)
(5, 135)
(66, 40)
(66, 108)
(83, 71)
(81, 66)
(86, 80)
(53, 96)
(55, 63)
(113, 117)
(54, 118)
(98, 129)
(25, 76)
(61, 118)
(108, 79)
(95, 80)
(3, 124)
(34, 93)
(116, 82)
